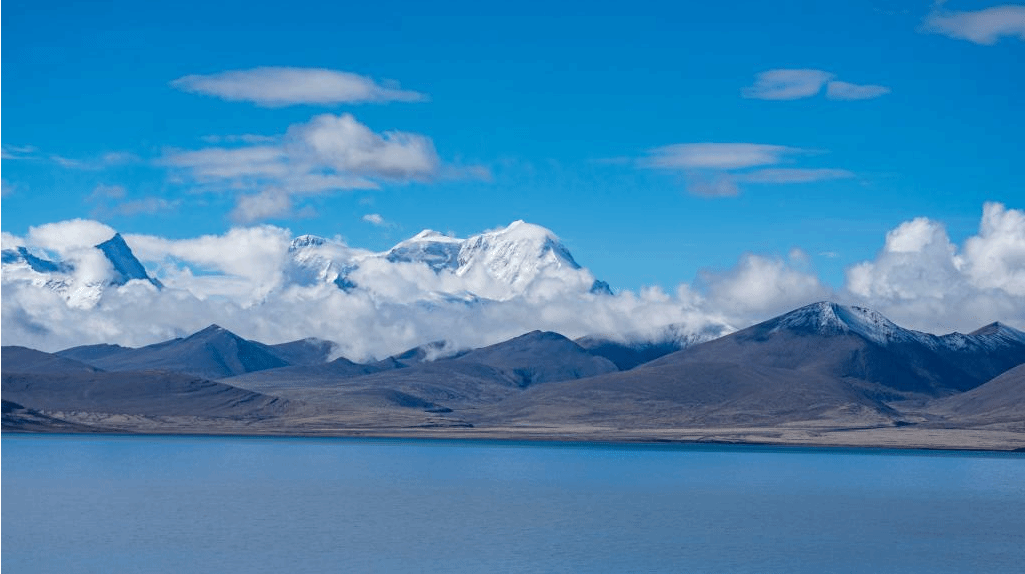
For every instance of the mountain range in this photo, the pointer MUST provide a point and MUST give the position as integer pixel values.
(819, 371)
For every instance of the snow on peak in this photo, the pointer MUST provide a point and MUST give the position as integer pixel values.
(516, 254)
(437, 250)
(829, 318)
(998, 333)
(431, 235)
(496, 264)
(304, 241)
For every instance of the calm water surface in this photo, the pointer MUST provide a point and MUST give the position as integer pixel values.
(234, 505)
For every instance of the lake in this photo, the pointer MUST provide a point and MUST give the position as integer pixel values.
(80, 503)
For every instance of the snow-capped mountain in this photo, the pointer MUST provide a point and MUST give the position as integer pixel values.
(21, 257)
(827, 318)
(516, 255)
(319, 260)
(436, 250)
(494, 265)
(82, 279)
(844, 341)
(126, 266)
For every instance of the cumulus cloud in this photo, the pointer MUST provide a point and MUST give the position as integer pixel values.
(715, 169)
(986, 26)
(248, 281)
(328, 153)
(759, 287)
(796, 84)
(374, 219)
(344, 144)
(283, 86)
(921, 279)
(65, 236)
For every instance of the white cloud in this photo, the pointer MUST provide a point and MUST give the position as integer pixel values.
(256, 254)
(922, 280)
(282, 86)
(267, 204)
(374, 219)
(791, 84)
(246, 280)
(65, 236)
(787, 84)
(217, 164)
(18, 152)
(985, 26)
(328, 153)
(715, 169)
(760, 287)
(995, 258)
(846, 91)
(346, 145)
(721, 156)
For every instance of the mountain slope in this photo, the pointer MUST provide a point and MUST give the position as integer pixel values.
(126, 266)
(16, 359)
(132, 393)
(857, 343)
(212, 353)
(309, 351)
(1001, 399)
(540, 357)
(692, 395)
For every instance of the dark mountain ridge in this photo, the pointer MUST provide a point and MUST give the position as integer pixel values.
(211, 353)
(856, 343)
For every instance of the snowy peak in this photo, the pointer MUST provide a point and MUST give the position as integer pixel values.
(37, 264)
(126, 266)
(998, 334)
(826, 318)
(515, 255)
(437, 250)
(304, 241)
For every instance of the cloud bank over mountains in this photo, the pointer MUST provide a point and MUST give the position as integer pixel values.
(262, 282)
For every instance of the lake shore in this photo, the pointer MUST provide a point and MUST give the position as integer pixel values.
(907, 437)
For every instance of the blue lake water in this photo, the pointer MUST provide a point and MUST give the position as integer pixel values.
(205, 504)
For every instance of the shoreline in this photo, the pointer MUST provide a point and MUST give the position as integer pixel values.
(969, 440)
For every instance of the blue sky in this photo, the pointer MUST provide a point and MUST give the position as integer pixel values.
(586, 118)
